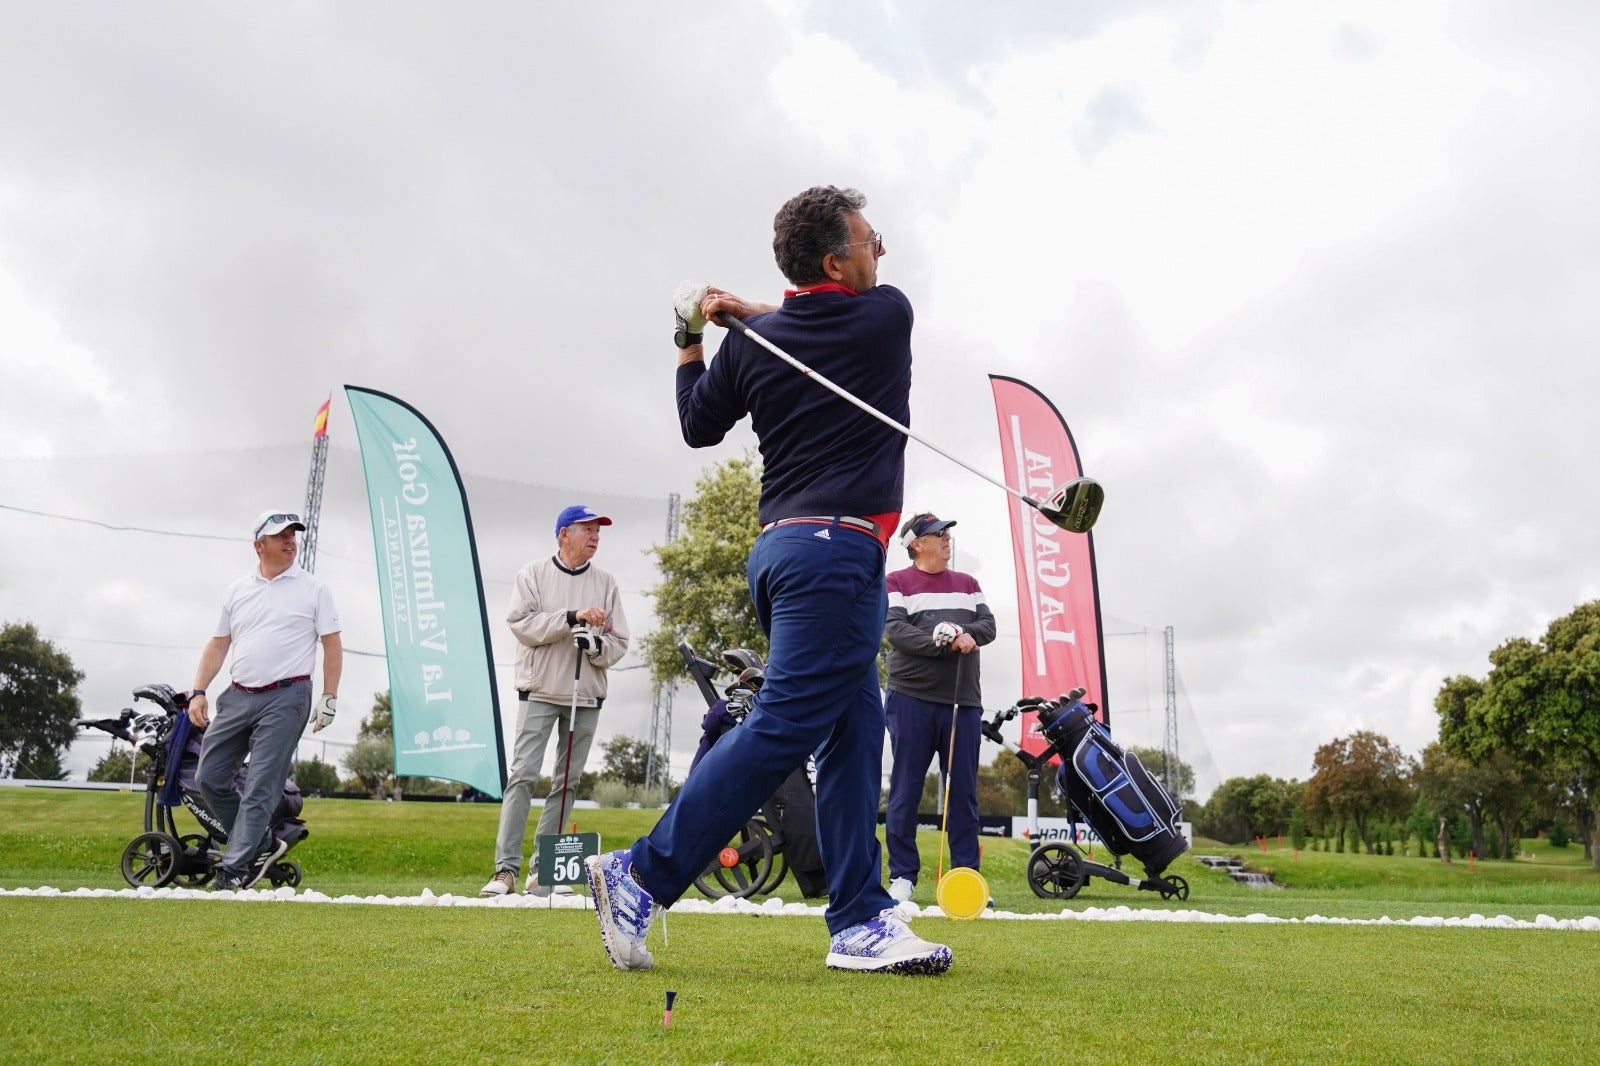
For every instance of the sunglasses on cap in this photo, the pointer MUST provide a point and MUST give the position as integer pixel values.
(275, 519)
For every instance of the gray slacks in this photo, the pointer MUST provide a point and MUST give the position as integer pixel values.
(265, 726)
(536, 720)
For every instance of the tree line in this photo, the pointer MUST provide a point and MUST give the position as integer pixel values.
(1518, 754)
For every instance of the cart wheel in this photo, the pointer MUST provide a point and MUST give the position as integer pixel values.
(780, 865)
(751, 855)
(194, 864)
(1056, 871)
(151, 859)
(780, 870)
(285, 872)
(1179, 890)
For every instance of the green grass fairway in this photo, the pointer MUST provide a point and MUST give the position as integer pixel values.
(101, 980)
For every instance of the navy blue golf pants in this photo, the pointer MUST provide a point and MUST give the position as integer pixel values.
(919, 731)
(819, 593)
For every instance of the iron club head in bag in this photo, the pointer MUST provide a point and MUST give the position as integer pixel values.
(1072, 507)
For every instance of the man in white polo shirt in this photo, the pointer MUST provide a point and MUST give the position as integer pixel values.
(272, 619)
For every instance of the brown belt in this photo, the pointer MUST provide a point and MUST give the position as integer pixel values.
(860, 525)
(285, 683)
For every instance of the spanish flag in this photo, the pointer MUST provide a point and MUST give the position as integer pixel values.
(319, 428)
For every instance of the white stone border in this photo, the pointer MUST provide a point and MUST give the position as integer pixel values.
(776, 906)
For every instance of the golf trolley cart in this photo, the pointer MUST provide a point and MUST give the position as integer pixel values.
(1104, 786)
(782, 836)
(159, 856)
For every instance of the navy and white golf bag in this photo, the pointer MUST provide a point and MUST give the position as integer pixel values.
(1111, 790)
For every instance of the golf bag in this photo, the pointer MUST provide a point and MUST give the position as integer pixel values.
(792, 810)
(1111, 790)
(181, 786)
(162, 855)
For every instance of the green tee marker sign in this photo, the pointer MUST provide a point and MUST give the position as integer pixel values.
(561, 857)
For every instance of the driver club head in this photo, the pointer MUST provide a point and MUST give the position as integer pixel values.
(1075, 505)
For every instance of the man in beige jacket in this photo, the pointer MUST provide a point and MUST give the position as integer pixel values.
(567, 616)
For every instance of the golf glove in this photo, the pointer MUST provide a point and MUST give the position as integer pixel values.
(587, 639)
(322, 714)
(686, 305)
(945, 633)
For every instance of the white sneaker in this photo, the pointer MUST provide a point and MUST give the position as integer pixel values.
(885, 944)
(624, 908)
(503, 883)
(900, 889)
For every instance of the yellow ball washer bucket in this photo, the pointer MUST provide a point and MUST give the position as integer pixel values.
(963, 893)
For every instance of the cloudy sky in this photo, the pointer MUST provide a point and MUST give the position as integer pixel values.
(1312, 284)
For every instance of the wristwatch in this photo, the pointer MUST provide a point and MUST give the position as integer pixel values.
(684, 339)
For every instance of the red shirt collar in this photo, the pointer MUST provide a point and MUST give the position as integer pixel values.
(826, 286)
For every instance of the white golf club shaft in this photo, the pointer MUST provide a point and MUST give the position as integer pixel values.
(733, 323)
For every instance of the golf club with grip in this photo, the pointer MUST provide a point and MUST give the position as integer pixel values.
(1073, 506)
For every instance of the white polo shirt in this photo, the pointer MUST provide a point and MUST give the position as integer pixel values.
(275, 625)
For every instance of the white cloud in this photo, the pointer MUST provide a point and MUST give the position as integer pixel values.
(46, 374)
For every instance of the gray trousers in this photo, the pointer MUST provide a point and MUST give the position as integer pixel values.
(536, 720)
(265, 726)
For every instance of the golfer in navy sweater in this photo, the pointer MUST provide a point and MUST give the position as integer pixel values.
(937, 621)
(831, 488)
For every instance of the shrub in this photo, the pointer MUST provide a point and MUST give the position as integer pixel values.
(1560, 835)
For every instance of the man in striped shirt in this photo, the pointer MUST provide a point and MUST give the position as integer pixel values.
(937, 622)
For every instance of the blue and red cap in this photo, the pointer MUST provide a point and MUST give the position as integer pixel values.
(579, 512)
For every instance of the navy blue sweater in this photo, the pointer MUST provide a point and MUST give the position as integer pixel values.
(819, 454)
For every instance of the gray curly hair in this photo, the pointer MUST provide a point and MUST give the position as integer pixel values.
(809, 226)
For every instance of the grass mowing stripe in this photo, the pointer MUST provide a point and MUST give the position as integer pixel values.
(103, 980)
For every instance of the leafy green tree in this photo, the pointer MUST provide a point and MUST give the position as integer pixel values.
(379, 725)
(371, 760)
(1297, 827)
(114, 767)
(1450, 784)
(379, 721)
(1562, 800)
(1009, 778)
(1541, 700)
(1358, 779)
(316, 778)
(1243, 808)
(1155, 761)
(39, 704)
(703, 596)
(1422, 824)
(626, 760)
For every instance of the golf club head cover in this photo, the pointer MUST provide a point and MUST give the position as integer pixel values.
(945, 633)
(587, 639)
(323, 713)
(747, 665)
(686, 305)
